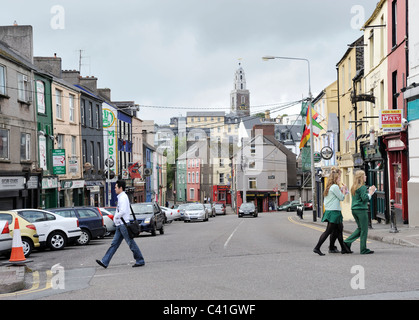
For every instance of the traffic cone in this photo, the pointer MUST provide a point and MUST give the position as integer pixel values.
(17, 245)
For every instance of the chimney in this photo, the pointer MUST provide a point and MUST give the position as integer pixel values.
(267, 114)
(49, 64)
(105, 93)
(19, 38)
(71, 76)
(89, 82)
(267, 128)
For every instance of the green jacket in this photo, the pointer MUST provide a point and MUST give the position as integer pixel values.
(360, 199)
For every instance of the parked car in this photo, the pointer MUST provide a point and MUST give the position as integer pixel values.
(54, 231)
(248, 208)
(308, 205)
(150, 216)
(182, 207)
(219, 208)
(30, 238)
(108, 220)
(210, 209)
(171, 214)
(289, 206)
(5, 238)
(90, 221)
(196, 211)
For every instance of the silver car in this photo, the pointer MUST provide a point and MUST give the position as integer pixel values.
(210, 210)
(195, 211)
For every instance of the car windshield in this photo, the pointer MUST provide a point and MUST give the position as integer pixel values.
(247, 206)
(142, 208)
(195, 206)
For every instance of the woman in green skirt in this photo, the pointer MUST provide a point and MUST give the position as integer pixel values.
(360, 197)
(333, 195)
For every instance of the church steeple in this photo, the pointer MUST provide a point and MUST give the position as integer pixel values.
(240, 96)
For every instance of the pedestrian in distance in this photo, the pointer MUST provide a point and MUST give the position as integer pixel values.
(360, 197)
(333, 195)
(123, 211)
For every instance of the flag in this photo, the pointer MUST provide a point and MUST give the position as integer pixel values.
(316, 126)
(314, 115)
(305, 137)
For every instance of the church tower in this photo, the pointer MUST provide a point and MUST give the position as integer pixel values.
(240, 96)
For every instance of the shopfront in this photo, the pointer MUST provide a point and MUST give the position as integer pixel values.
(71, 193)
(19, 191)
(49, 193)
(375, 166)
(221, 194)
(396, 147)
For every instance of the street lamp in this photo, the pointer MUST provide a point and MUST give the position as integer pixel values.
(310, 99)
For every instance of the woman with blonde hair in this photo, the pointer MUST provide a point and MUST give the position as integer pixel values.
(360, 197)
(333, 195)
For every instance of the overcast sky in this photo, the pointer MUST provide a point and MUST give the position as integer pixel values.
(184, 53)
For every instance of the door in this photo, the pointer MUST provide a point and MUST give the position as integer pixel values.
(90, 218)
(376, 176)
(38, 219)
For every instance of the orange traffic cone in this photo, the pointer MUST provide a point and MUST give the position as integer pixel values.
(17, 245)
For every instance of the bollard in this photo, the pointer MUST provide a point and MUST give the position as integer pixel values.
(393, 228)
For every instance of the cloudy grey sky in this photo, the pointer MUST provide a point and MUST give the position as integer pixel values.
(183, 53)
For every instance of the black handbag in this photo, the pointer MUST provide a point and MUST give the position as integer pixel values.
(133, 227)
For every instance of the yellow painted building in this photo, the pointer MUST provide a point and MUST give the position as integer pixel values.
(350, 70)
(67, 131)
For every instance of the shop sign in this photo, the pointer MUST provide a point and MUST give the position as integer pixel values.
(110, 138)
(49, 183)
(391, 120)
(8, 183)
(58, 161)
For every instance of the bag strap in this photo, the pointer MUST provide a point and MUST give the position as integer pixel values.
(132, 211)
(123, 221)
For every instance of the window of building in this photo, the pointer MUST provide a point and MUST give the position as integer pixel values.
(71, 107)
(394, 23)
(192, 193)
(4, 144)
(221, 176)
(2, 80)
(25, 146)
(83, 111)
(60, 141)
(193, 177)
(23, 86)
(58, 104)
(252, 183)
(73, 146)
(394, 89)
(90, 114)
(197, 177)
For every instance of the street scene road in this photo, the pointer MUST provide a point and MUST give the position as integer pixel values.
(268, 257)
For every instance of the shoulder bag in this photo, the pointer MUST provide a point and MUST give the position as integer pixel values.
(133, 227)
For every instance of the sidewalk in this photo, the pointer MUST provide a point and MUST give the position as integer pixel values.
(405, 236)
(12, 278)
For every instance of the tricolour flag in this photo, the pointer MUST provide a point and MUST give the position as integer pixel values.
(305, 137)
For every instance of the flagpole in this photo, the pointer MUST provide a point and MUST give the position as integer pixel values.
(310, 101)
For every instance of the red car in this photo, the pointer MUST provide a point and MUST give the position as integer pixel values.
(308, 205)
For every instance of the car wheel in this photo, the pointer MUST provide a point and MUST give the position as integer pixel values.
(84, 237)
(161, 229)
(153, 230)
(288, 209)
(27, 246)
(56, 240)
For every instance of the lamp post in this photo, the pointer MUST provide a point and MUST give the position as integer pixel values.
(310, 99)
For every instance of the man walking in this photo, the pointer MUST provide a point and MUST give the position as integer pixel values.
(123, 211)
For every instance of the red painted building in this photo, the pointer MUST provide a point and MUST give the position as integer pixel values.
(396, 143)
(193, 176)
